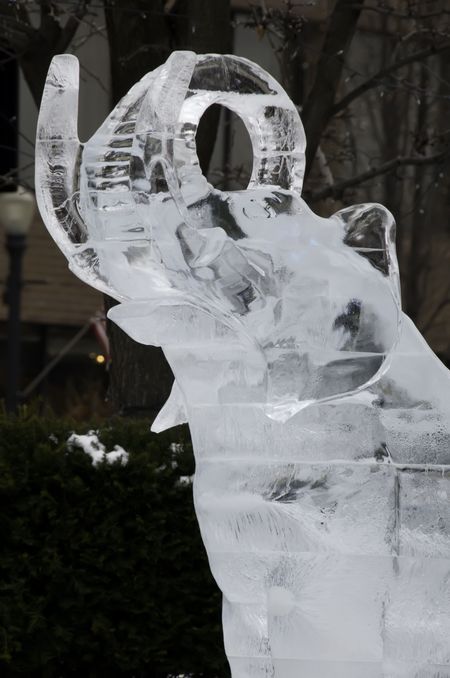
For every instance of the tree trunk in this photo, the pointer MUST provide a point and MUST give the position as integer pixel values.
(140, 378)
(34, 48)
(320, 99)
(141, 39)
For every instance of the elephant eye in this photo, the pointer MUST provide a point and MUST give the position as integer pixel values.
(247, 296)
(279, 203)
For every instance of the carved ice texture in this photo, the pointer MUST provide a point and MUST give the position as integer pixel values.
(319, 416)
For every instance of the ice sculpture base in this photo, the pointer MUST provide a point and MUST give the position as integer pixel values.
(287, 668)
(327, 566)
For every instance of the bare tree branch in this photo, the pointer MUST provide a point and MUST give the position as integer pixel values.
(94, 30)
(376, 79)
(46, 8)
(71, 26)
(15, 31)
(400, 15)
(95, 77)
(11, 177)
(35, 52)
(22, 12)
(336, 190)
(320, 100)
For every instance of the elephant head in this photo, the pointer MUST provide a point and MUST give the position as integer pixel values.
(301, 309)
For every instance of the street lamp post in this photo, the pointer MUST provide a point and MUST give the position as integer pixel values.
(16, 214)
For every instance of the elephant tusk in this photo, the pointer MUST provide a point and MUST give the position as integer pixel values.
(173, 412)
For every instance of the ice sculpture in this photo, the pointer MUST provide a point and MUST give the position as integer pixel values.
(319, 416)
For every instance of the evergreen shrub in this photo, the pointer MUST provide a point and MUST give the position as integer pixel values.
(102, 568)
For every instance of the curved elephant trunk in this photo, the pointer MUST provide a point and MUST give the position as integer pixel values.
(107, 190)
(58, 152)
(188, 85)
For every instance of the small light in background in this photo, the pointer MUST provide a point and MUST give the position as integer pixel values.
(100, 359)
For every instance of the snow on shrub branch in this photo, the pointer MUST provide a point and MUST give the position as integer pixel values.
(91, 444)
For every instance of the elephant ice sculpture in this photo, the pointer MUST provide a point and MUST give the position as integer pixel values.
(320, 418)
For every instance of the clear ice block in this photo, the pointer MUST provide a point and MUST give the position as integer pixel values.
(319, 416)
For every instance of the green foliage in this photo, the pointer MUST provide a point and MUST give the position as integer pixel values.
(102, 569)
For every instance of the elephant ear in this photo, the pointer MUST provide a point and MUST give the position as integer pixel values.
(370, 325)
(366, 318)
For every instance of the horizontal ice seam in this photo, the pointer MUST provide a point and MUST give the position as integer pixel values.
(255, 461)
(386, 663)
(328, 554)
(109, 163)
(275, 154)
(270, 658)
